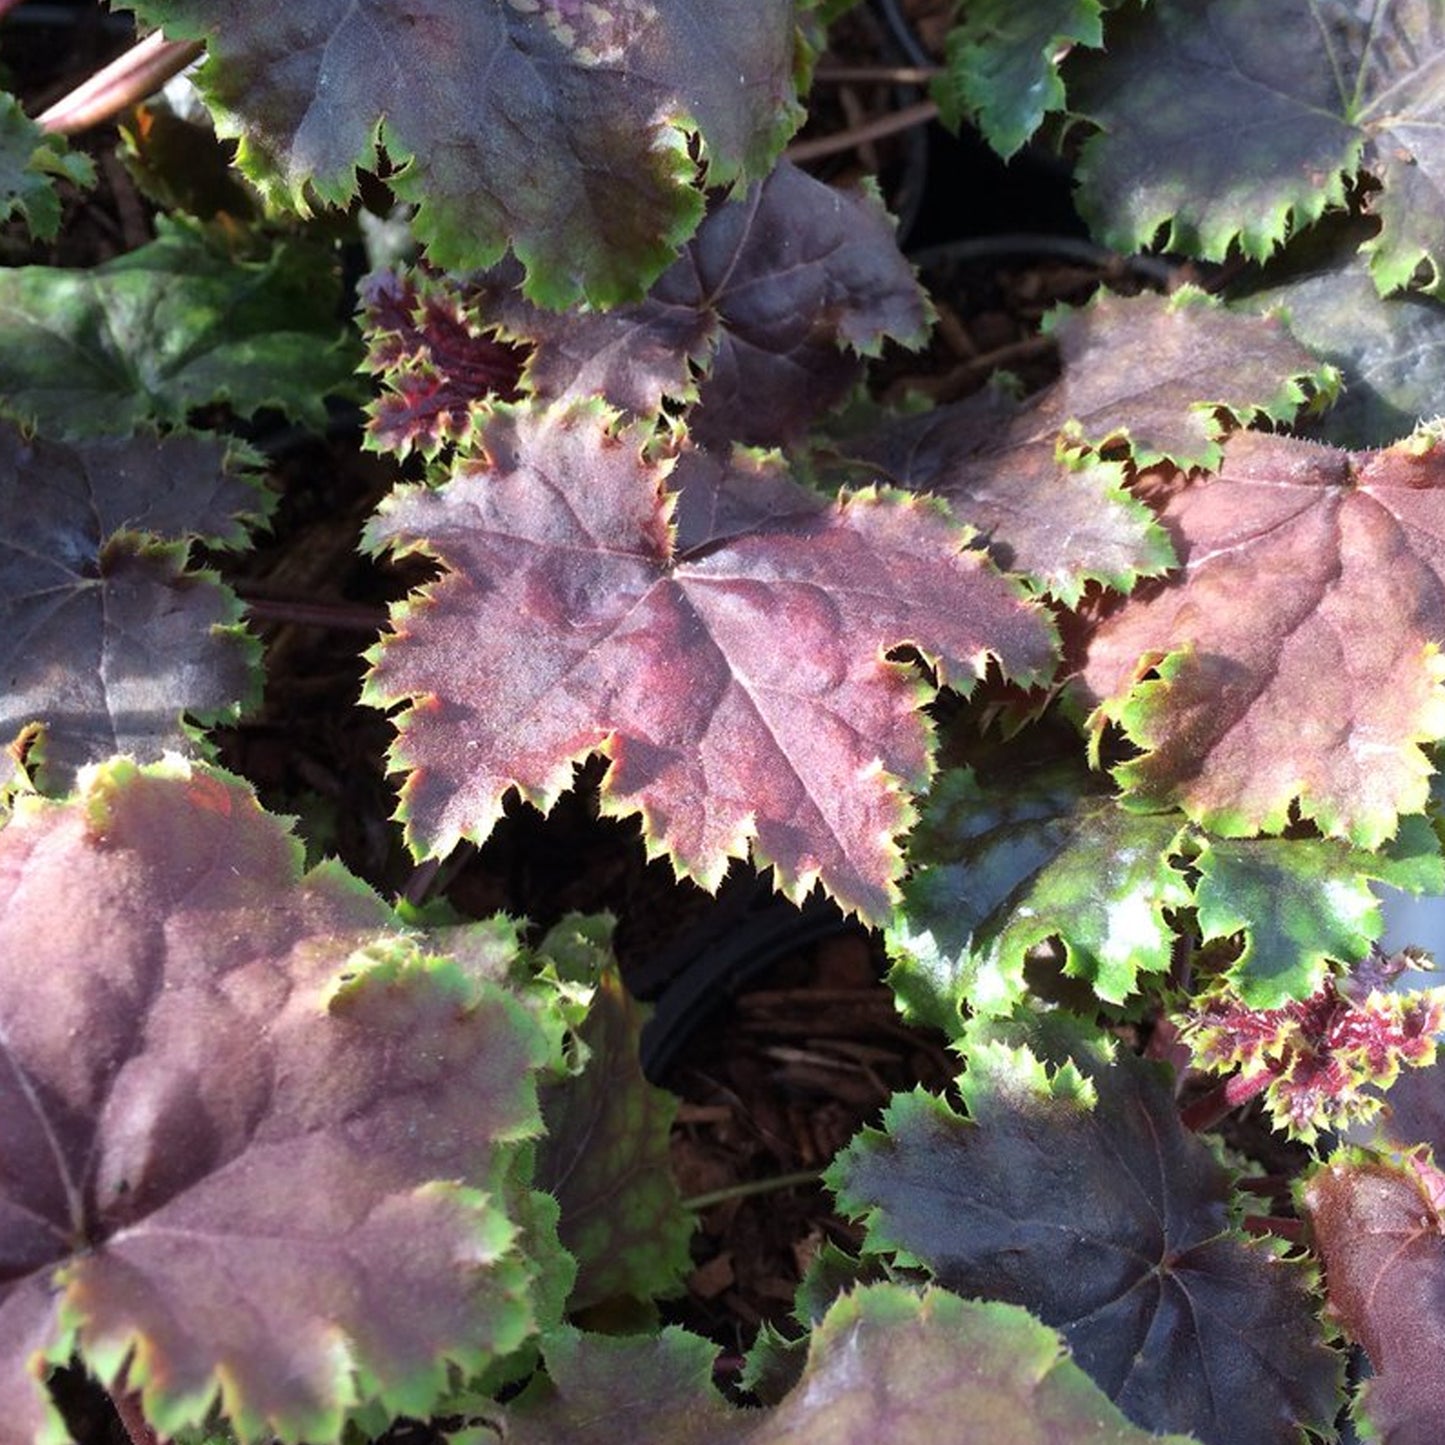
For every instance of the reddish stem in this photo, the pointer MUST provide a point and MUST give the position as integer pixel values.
(1290, 1230)
(1225, 1098)
(137, 1427)
(126, 81)
(339, 615)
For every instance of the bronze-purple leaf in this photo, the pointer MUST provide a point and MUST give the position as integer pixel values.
(254, 1139)
(723, 644)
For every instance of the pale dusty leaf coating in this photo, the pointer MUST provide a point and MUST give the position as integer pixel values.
(251, 1134)
(1296, 654)
(723, 644)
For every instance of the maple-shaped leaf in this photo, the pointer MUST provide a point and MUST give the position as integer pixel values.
(1295, 657)
(31, 161)
(1059, 519)
(255, 1136)
(724, 645)
(1073, 1189)
(885, 1363)
(1380, 1235)
(764, 316)
(1301, 902)
(760, 324)
(605, 1157)
(107, 639)
(1003, 65)
(1155, 374)
(1226, 124)
(1321, 1061)
(997, 870)
(557, 128)
(1387, 349)
(166, 328)
(437, 362)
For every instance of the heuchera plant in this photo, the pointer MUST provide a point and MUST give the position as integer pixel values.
(281, 1157)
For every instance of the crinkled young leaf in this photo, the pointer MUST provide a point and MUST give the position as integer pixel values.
(1296, 656)
(168, 327)
(1003, 65)
(1389, 350)
(1230, 123)
(252, 1136)
(438, 363)
(1074, 1190)
(560, 129)
(1301, 902)
(31, 161)
(884, 1364)
(761, 321)
(724, 645)
(1327, 1057)
(997, 870)
(605, 1157)
(106, 638)
(1379, 1234)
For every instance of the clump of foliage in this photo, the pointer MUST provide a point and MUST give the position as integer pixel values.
(279, 1157)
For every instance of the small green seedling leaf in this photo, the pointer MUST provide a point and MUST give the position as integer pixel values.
(31, 161)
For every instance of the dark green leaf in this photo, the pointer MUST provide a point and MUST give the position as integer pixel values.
(169, 327)
(30, 164)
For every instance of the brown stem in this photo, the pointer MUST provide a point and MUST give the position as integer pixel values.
(125, 82)
(844, 140)
(137, 1427)
(882, 74)
(343, 617)
(1225, 1098)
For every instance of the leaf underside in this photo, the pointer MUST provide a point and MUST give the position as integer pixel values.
(1074, 1190)
(106, 639)
(722, 645)
(1294, 659)
(252, 1133)
(557, 128)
